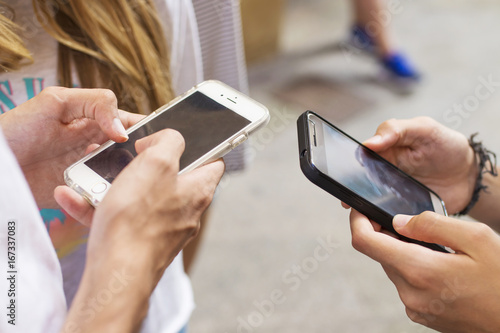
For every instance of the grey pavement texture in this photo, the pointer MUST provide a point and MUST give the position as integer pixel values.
(277, 255)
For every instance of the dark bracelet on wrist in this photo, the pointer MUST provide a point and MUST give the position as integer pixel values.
(487, 164)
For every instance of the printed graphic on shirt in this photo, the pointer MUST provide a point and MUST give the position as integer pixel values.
(33, 87)
(66, 233)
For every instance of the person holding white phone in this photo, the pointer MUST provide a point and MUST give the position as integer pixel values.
(449, 292)
(146, 52)
(132, 239)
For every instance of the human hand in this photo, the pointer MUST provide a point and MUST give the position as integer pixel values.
(150, 212)
(447, 292)
(437, 156)
(52, 130)
(146, 218)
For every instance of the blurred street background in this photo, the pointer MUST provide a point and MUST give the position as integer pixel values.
(277, 254)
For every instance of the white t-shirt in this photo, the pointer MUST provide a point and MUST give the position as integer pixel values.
(34, 291)
(172, 301)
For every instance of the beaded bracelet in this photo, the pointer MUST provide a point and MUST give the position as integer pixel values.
(487, 164)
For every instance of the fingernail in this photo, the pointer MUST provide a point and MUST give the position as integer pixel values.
(401, 220)
(118, 127)
(374, 140)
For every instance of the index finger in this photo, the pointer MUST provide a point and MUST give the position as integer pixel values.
(162, 150)
(400, 133)
(169, 139)
(100, 105)
(129, 119)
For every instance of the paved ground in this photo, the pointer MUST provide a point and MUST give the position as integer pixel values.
(277, 254)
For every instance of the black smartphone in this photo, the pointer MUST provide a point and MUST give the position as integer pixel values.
(361, 178)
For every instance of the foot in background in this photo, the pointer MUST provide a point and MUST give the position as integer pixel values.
(397, 70)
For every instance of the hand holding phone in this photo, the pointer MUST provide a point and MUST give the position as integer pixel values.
(147, 217)
(359, 177)
(212, 117)
(434, 154)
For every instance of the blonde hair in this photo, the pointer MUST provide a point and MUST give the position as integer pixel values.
(114, 44)
(12, 50)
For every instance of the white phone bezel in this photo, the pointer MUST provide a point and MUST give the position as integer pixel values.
(318, 156)
(83, 179)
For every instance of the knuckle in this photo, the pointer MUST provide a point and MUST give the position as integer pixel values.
(191, 222)
(423, 221)
(194, 228)
(425, 216)
(205, 197)
(52, 90)
(359, 241)
(175, 137)
(389, 124)
(392, 126)
(411, 300)
(107, 96)
(417, 278)
(53, 95)
(426, 120)
(414, 316)
(481, 233)
(102, 99)
(159, 160)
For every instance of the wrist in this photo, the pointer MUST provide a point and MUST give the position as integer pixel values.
(120, 249)
(472, 175)
(484, 162)
(133, 267)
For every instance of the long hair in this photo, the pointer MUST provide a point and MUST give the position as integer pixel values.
(13, 53)
(114, 44)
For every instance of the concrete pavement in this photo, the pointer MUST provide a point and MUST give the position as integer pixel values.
(277, 254)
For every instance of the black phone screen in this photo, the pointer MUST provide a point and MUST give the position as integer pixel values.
(203, 123)
(371, 177)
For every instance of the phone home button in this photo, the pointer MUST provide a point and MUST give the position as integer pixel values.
(99, 188)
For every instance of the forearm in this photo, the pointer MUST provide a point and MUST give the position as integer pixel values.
(111, 298)
(487, 209)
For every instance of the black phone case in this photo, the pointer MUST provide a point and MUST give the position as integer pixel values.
(342, 193)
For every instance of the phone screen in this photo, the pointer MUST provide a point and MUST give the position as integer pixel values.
(203, 123)
(371, 177)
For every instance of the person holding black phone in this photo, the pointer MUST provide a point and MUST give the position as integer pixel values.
(448, 292)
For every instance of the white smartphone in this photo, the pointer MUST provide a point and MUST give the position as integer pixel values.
(212, 117)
